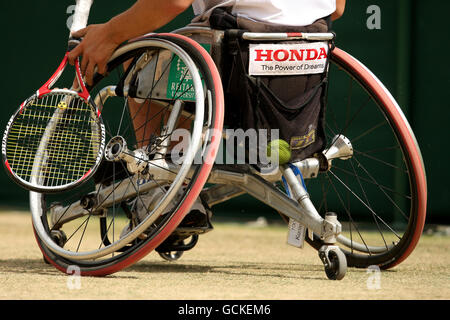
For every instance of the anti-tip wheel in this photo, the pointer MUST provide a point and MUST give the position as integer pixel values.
(171, 256)
(334, 262)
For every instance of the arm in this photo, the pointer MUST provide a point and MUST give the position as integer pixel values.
(100, 40)
(340, 7)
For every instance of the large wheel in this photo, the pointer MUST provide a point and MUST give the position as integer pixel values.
(380, 193)
(107, 234)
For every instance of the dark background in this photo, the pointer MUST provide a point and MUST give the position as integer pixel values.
(409, 54)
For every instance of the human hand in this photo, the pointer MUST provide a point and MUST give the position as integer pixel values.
(96, 48)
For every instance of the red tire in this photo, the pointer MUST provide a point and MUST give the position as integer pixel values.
(122, 260)
(412, 167)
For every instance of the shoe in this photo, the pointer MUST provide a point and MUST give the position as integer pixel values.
(141, 206)
(195, 222)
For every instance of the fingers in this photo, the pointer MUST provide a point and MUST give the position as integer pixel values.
(91, 65)
(75, 53)
(89, 72)
(80, 33)
(84, 63)
(95, 49)
(102, 67)
(88, 65)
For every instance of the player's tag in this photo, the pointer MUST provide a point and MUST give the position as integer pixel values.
(267, 59)
(296, 235)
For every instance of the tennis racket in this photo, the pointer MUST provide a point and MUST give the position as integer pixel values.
(56, 138)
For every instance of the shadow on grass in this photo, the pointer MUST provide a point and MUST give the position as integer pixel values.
(244, 269)
(282, 271)
(39, 267)
(34, 266)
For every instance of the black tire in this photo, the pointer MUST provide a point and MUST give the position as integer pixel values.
(337, 268)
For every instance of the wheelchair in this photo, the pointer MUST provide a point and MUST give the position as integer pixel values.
(359, 202)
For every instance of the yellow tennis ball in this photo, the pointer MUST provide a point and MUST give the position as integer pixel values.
(281, 149)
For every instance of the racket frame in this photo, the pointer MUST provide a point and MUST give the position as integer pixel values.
(44, 90)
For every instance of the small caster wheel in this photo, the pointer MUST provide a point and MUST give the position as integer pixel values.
(59, 237)
(171, 255)
(334, 262)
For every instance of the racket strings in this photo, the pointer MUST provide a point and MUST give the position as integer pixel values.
(54, 141)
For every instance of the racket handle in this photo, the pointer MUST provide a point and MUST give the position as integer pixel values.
(72, 43)
(80, 18)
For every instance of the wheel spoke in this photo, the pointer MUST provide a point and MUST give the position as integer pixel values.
(84, 231)
(379, 160)
(355, 116)
(368, 203)
(382, 190)
(365, 205)
(347, 211)
(370, 130)
(79, 227)
(407, 197)
(130, 125)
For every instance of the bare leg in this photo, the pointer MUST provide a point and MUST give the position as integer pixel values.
(149, 117)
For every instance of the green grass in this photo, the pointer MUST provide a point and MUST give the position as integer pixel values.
(234, 261)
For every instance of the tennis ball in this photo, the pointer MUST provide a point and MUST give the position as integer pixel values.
(281, 149)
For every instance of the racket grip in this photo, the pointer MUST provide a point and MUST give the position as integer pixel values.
(72, 43)
(80, 18)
